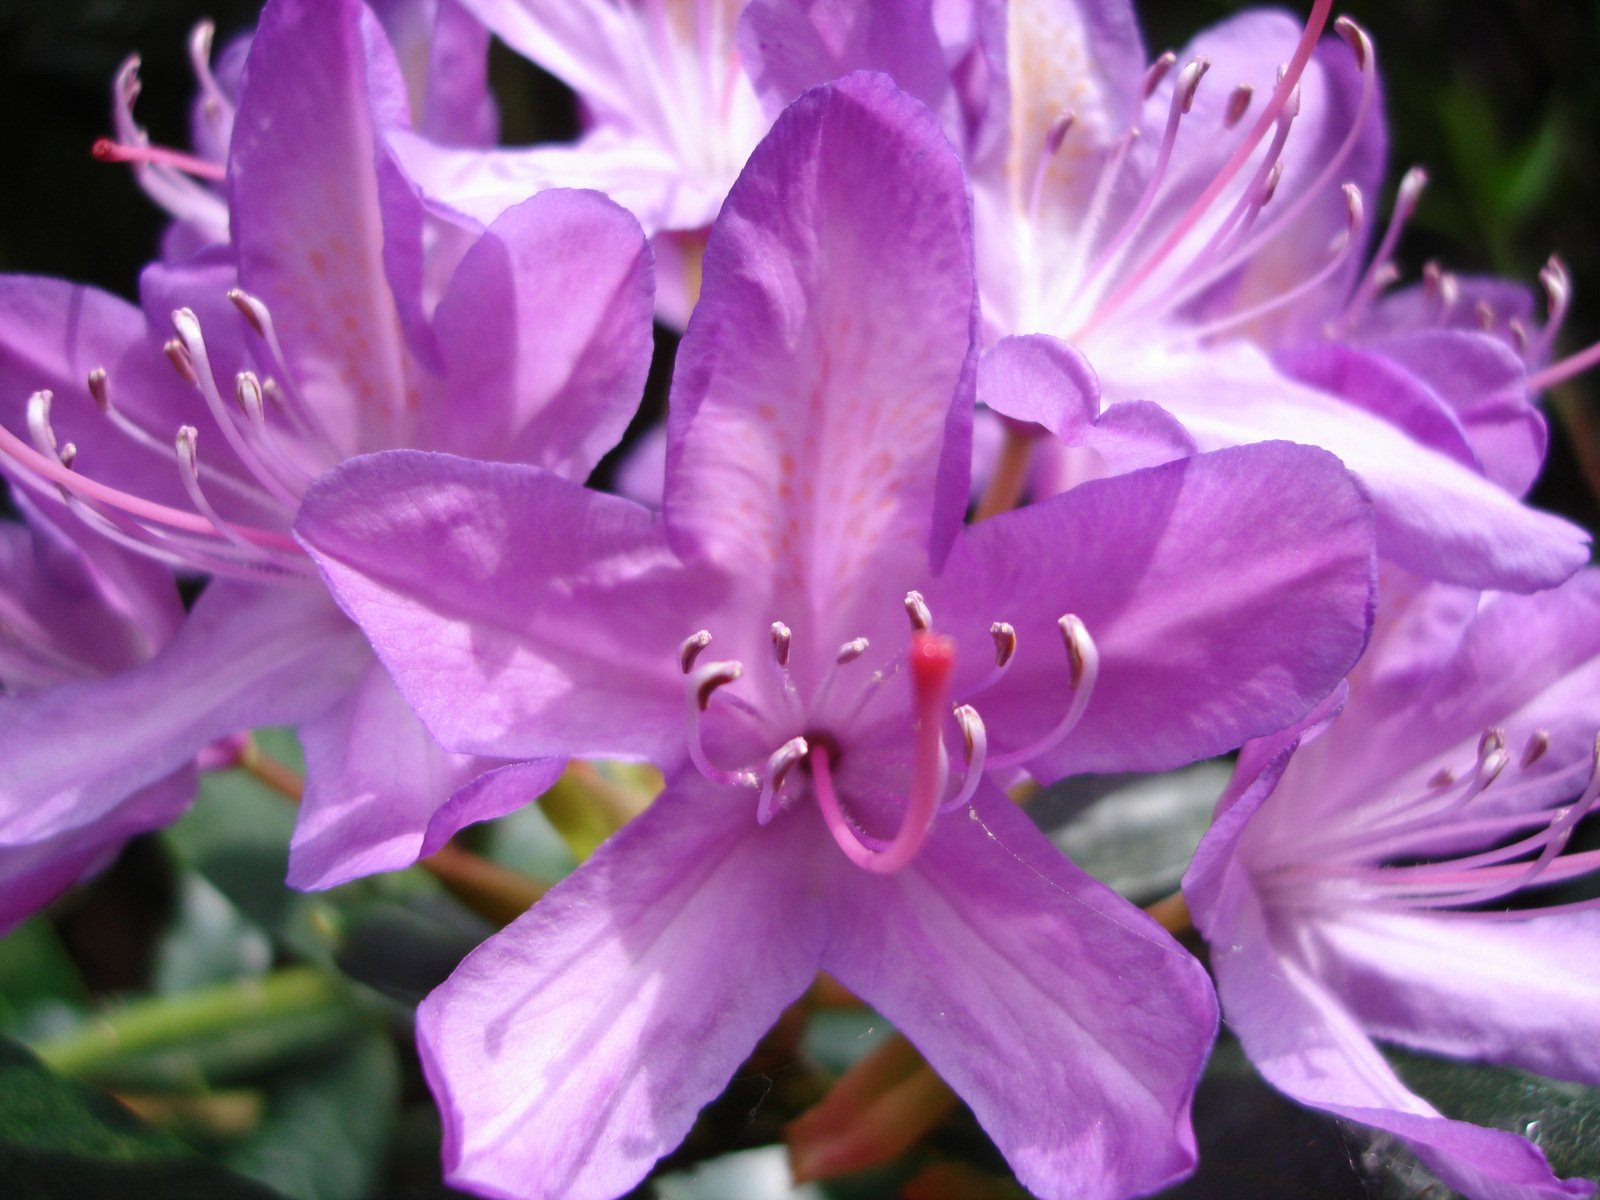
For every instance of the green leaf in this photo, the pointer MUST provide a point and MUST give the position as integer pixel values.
(1562, 1118)
(208, 941)
(59, 1141)
(328, 1125)
(37, 978)
(1133, 833)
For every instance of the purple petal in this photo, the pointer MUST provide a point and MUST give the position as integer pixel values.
(246, 656)
(574, 1048)
(584, 43)
(1486, 385)
(1518, 992)
(1436, 516)
(308, 224)
(34, 872)
(448, 53)
(381, 793)
(546, 350)
(544, 619)
(1226, 593)
(1043, 381)
(1307, 1044)
(1069, 1021)
(821, 409)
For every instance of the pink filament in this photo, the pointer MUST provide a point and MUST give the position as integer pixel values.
(932, 660)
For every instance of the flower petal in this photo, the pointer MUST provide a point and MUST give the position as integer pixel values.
(545, 350)
(247, 656)
(574, 1048)
(544, 619)
(1070, 1022)
(308, 223)
(1226, 594)
(821, 408)
(1436, 516)
(377, 786)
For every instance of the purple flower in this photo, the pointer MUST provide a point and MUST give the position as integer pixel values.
(1375, 875)
(669, 115)
(1192, 228)
(835, 673)
(73, 607)
(336, 321)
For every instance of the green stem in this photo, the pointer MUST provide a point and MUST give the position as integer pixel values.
(164, 1022)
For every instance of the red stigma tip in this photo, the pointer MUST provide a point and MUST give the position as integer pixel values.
(106, 150)
(933, 657)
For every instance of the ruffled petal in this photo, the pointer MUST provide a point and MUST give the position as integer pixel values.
(545, 350)
(1309, 1045)
(1437, 516)
(818, 437)
(574, 1048)
(544, 619)
(247, 656)
(1070, 1022)
(381, 793)
(1226, 594)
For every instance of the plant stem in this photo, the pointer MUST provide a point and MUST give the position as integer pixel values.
(165, 1021)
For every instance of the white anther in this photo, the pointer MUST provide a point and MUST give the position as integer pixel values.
(1238, 104)
(178, 355)
(247, 389)
(100, 388)
(711, 677)
(1357, 39)
(39, 427)
(185, 443)
(251, 309)
(689, 650)
(851, 650)
(974, 752)
(1442, 778)
(1410, 191)
(917, 610)
(1075, 637)
(1189, 81)
(779, 763)
(1083, 661)
(1487, 319)
(1269, 186)
(782, 639)
(1005, 642)
(1538, 743)
(1156, 72)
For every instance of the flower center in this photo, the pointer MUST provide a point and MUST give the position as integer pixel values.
(823, 730)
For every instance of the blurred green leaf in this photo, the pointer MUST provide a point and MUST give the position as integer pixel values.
(35, 970)
(328, 1125)
(209, 941)
(1137, 834)
(214, 1035)
(1562, 1118)
(407, 950)
(59, 1141)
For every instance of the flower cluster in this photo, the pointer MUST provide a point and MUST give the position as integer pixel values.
(1041, 409)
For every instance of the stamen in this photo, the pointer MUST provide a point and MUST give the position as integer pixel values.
(703, 683)
(1157, 71)
(189, 473)
(100, 388)
(1538, 743)
(932, 661)
(1083, 662)
(106, 150)
(782, 639)
(1238, 105)
(917, 610)
(975, 752)
(782, 760)
(852, 650)
(1486, 315)
(689, 650)
(178, 355)
(1005, 649)
(1382, 272)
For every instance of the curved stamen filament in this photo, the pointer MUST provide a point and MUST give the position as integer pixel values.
(782, 760)
(975, 741)
(702, 685)
(1241, 154)
(36, 464)
(1084, 661)
(932, 660)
